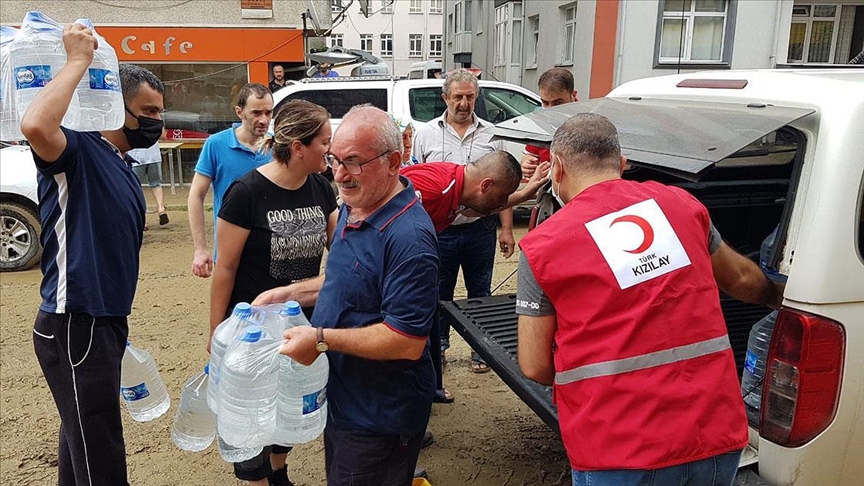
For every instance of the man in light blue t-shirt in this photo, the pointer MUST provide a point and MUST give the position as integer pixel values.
(227, 156)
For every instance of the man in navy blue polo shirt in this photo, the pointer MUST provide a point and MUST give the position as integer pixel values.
(92, 212)
(374, 311)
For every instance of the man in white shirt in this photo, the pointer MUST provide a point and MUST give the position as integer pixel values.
(459, 136)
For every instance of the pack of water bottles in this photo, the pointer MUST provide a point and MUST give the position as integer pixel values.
(33, 55)
(259, 396)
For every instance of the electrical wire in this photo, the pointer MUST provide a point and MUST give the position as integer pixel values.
(138, 6)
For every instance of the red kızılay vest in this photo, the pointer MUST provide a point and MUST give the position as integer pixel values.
(644, 375)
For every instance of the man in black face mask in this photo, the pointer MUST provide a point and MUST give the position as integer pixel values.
(92, 213)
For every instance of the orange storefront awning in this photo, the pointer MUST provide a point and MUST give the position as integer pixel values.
(204, 44)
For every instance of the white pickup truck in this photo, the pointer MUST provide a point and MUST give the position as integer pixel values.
(762, 150)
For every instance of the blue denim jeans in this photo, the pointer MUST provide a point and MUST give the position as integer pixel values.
(472, 247)
(719, 470)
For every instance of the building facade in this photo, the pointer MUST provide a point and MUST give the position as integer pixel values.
(402, 32)
(608, 42)
(203, 50)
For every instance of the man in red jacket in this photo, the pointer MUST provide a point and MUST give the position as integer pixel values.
(624, 285)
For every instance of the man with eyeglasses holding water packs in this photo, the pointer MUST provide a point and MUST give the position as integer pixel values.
(374, 310)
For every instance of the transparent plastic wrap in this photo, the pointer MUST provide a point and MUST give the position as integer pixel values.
(302, 396)
(10, 128)
(100, 99)
(247, 389)
(224, 334)
(36, 56)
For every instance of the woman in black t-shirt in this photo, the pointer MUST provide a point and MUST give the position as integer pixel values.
(272, 230)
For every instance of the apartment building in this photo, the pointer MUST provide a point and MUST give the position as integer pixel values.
(608, 42)
(402, 32)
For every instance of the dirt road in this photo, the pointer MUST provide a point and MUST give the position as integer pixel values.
(488, 437)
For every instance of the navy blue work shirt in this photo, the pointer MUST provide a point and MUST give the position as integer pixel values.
(92, 210)
(382, 269)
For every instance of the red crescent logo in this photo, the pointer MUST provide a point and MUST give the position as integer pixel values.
(647, 231)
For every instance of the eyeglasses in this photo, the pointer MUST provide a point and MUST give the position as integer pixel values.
(353, 168)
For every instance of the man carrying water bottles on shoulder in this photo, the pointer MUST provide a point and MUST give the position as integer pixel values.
(92, 213)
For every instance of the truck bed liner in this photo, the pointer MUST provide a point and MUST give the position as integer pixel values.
(489, 326)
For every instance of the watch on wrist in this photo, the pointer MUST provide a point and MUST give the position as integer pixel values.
(321, 345)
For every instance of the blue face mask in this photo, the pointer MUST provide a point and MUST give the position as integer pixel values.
(555, 193)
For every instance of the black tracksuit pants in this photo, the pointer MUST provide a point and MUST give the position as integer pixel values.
(80, 357)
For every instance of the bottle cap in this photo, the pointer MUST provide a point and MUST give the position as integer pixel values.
(292, 308)
(251, 335)
(207, 369)
(243, 310)
(128, 343)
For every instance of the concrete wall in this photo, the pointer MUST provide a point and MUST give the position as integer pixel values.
(400, 24)
(551, 43)
(159, 12)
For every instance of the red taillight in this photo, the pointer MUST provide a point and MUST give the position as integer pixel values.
(802, 378)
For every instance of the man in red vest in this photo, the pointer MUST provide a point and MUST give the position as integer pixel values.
(624, 285)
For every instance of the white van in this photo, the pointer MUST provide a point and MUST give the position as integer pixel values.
(763, 150)
(410, 100)
(426, 70)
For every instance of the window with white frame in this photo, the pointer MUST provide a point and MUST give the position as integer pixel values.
(813, 33)
(502, 14)
(435, 47)
(479, 20)
(387, 6)
(335, 6)
(336, 39)
(415, 7)
(415, 45)
(508, 42)
(466, 22)
(387, 45)
(534, 26)
(693, 31)
(436, 6)
(568, 30)
(457, 17)
(366, 42)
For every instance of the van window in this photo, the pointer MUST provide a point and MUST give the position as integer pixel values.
(338, 102)
(494, 104)
(426, 103)
(504, 104)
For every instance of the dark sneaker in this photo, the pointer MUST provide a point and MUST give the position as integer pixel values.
(428, 439)
(279, 477)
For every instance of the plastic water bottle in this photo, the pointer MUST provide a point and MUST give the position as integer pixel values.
(10, 128)
(36, 55)
(100, 101)
(302, 398)
(195, 424)
(247, 390)
(765, 255)
(754, 367)
(222, 337)
(141, 386)
(236, 454)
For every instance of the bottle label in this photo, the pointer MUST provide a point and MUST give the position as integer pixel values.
(134, 393)
(750, 362)
(314, 401)
(32, 76)
(104, 79)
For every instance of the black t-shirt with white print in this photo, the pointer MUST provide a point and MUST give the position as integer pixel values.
(288, 231)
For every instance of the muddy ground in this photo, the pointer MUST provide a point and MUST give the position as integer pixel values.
(488, 437)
